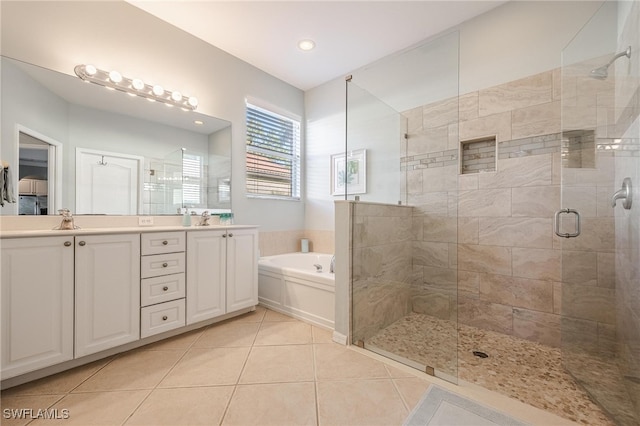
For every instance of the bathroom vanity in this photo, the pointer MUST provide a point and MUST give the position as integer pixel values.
(71, 297)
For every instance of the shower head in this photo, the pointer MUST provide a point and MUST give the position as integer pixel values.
(602, 72)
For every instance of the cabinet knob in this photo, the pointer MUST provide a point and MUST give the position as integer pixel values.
(164, 318)
(231, 235)
(165, 264)
(165, 288)
(67, 243)
(165, 242)
(224, 235)
(82, 243)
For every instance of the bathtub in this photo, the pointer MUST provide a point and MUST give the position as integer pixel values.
(289, 283)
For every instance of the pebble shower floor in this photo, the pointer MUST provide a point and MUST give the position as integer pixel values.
(524, 370)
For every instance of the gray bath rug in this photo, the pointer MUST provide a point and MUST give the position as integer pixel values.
(439, 407)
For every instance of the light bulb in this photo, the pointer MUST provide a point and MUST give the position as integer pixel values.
(137, 84)
(193, 101)
(176, 96)
(90, 69)
(115, 76)
(158, 90)
(306, 45)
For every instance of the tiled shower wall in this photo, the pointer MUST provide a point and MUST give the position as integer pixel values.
(381, 277)
(491, 233)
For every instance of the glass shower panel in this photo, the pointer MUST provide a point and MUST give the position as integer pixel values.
(404, 276)
(381, 237)
(171, 179)
(370, 166)
(600, 132)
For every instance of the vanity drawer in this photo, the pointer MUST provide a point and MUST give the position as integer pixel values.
(162, 242)
(161, 289)
(161, 264)
(162, 317)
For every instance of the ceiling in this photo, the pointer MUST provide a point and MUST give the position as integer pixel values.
(348, 34)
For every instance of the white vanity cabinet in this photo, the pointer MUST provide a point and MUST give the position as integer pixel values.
(37, 303)
(206, 260)
(65, 297)
(162, 286)
(222, 272)
(107, 299)
(242, 269)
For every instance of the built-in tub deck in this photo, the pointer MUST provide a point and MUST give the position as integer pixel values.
(291, 284)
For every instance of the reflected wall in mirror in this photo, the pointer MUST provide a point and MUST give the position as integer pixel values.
(85, 118)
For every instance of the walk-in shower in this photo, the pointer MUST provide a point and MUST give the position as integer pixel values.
(461, 260)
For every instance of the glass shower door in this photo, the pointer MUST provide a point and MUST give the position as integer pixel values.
(600, 236)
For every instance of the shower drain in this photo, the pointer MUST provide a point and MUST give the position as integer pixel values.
(480, 354)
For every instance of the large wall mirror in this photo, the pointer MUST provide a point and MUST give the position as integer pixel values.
(72, 144)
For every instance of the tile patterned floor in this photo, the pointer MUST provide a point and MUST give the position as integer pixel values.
(523, 370)
(262, 368)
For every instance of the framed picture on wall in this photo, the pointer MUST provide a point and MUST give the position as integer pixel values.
(349, 172)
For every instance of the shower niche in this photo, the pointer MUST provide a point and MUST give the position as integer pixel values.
(579, 149)
(478, 155)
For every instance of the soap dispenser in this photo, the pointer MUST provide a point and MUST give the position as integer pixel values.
(186, 218)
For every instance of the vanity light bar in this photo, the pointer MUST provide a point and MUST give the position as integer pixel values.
(115, 80)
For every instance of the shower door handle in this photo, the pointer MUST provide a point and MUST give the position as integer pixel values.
(556, 223)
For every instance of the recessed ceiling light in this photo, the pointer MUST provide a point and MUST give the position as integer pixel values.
(306, 45)
(198, 122)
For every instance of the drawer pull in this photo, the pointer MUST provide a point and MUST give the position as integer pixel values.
(164, 318)
(165, 288)
(165, 264)
(82, 243)
(67, 243)
(165, 242)
(231, 235)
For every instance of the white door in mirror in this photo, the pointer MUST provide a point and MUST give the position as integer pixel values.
(108, 183)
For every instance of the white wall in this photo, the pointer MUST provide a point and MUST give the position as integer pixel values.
(512, 41)
(116, 35)
(32, 107)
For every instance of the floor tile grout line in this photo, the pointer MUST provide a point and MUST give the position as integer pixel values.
(404, 402)
(165, 375)
(235, 387)
(315, 379)
(189, 347)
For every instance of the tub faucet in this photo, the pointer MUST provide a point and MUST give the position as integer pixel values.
(318, 267)
(67, 220)
(332, 265)
(204, 219)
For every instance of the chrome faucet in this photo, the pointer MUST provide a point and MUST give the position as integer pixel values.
(67, 220)
(332, 265)
(204, 219)
(624, 194)
(318, 267)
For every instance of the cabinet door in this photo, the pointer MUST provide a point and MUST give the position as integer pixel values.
(242, 269)
(107, 291)
(40, 187)
(206, 257)
(37, 303)
(25, 186)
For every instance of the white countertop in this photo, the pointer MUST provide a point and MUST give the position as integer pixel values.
(113, 230)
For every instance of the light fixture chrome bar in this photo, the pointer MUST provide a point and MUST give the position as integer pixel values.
(114, 80)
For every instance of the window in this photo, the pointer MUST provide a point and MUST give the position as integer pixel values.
(190, 193)
(273, 154)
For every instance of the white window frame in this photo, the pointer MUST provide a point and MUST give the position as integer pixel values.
(296, 160)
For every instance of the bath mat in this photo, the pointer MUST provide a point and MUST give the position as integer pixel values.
(439, 407)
